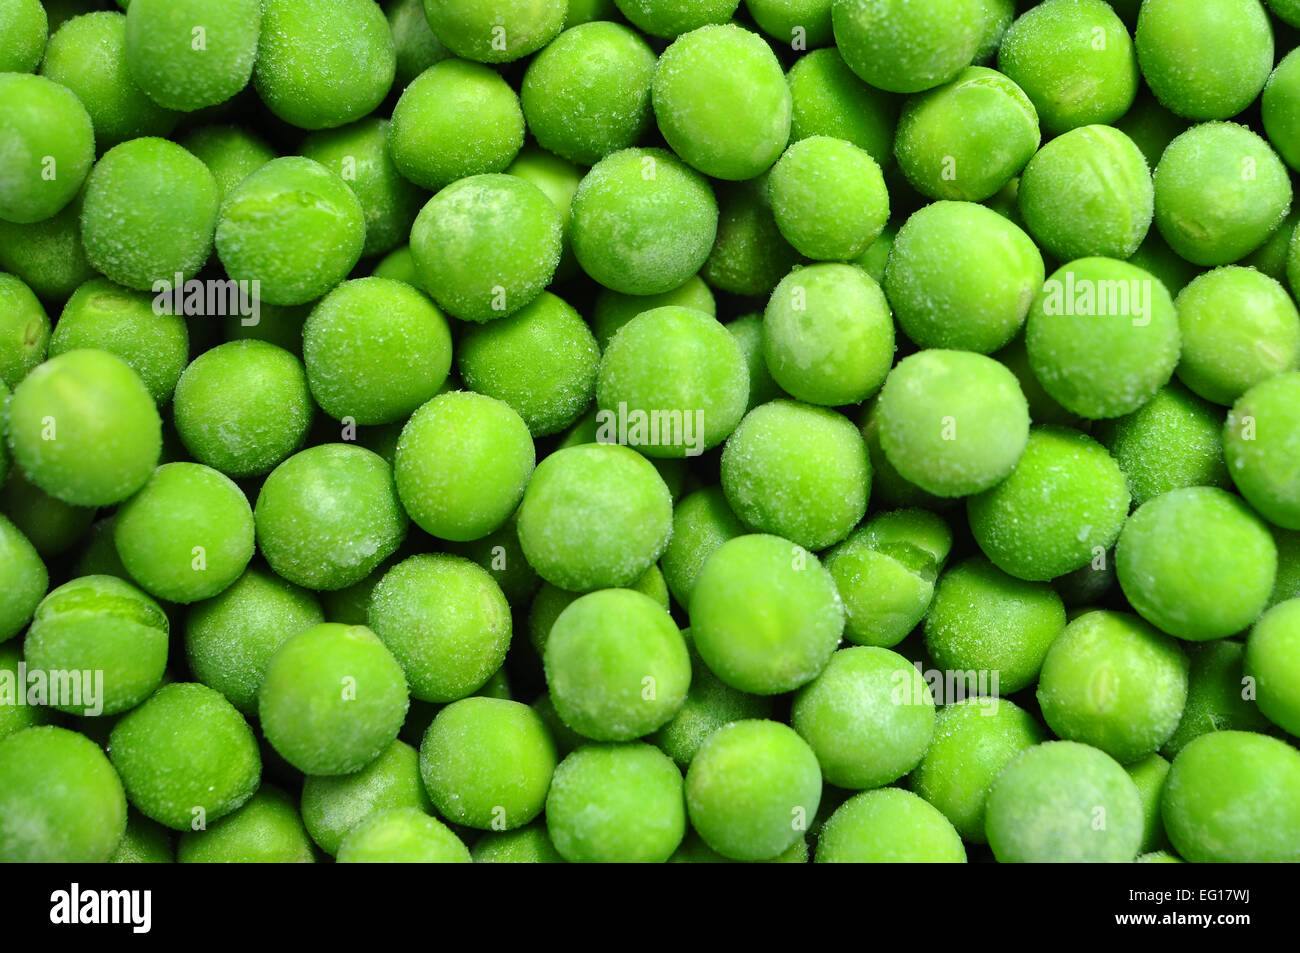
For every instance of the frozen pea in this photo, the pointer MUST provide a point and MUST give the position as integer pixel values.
(1151, 126)
(501, 555)
(359, 155)
(952, 422)
(616, 665)
(765, 614)
(375, 349)
(1064, 802)
(1102, 337)
(487, 763)
(722, 102)
(1261, 441)
(991, 626)
(960, 276)
(446, 622)
(1273, 660)
(1063, 504)
(294, 227)
(906, 46)
(242, 407)
(587, 94)
(185, 755)
(144, 842)
(551, 600)
(1149, 775)
(800, 23)
(230, 638)
(594, 516)
(798, 471)
(87, 54)
(693, 850)
(702, 521)
(974, 739)
(752, 789)
(749, 255)
(329, 515)
(670, 18)
(523, 845)
(1239, 328)
(868, 717)
(1288, 565)
(584, 11)
(614, 309)
(462, 463)
(231, 153)
(1145, 677)
(51, 525)
(885, 573)
(876, 257)
(107, 317)
(487, 245)
(266, 830)
(187, 534)
(47, 255)
(888, 826)
(1288, 11)
(1207, 60)
(496, 32)
(332, 805)
(49, 146)
(1280, 109)
(710, 704)
(616, 803)
(559, 179)
(104, 625)
(1088, 193)
(1196, 563)
(456, 119)
(748, 332)
(1220, 191)
(187, 54)
(1075, 61)
(414, 45)
(1271, 258)
(541, 360)
(643, 222)
(26, 579)
(333, 699)
(828, 198)
(1171, 441)
(827, 99)
(24, 331)
(25, 28)
(1219, 695)
(323, 63)
(965, 140)
(398, 265)
(1234, 796)
(672, 383)
(84, 428)
(60, 799)
(402, 835)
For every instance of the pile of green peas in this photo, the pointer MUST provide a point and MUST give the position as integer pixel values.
(643, 431)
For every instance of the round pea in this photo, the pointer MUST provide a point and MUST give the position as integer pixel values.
(187, 54)
(332, 805)
(888, 826)
(906, 46)
(402, 835)
(49, 144)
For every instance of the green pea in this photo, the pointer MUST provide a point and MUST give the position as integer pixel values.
(402, 835)
(594, 516)
(801, 184)
(1196, 563)
(1064, 802)
(414, 45)
(462, 463)
(1062, 506)
(497, 32)
(888, 826)
(334, 805)
(974, 739)
(702, 521)
(827, 99)
(1220, 191)
(559, 179)
(1149, 775)
(1205, 62)
(671, 18)
(187, 54)
(47, 255)
(1234, 796)
(906, 46)
(186, 756)
(748, 332)
(1288, 565)
(60, 798)
(293, 227)
(231, 153)
(230, 638)
(25, 29)
(51, 525)
(643, 222)
(551, 600)
(765, 614)
(1261, 441)
(266, 830)
(524, 845)
(24, 331)
(1280, 109)
(26, 579)
(1271, 659)
(454, 120)
(49, 143)
(487, 763)
(501, 555)
(323, 63)
(329, 515)
(87, 54)
(144, 842)
(1218, 696)
(752, 788)
(750, 255)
